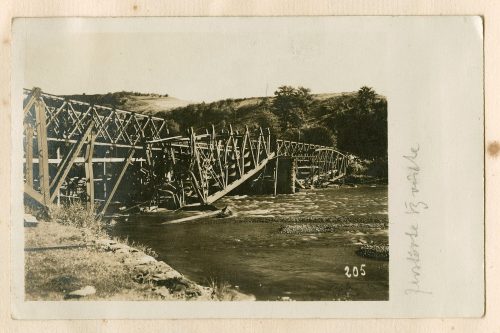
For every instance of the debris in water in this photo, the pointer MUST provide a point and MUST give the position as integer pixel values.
(226, 212)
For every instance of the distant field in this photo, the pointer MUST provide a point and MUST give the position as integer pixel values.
(152, 105)
(136, 102)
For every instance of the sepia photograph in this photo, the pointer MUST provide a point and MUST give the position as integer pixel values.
(204, 159)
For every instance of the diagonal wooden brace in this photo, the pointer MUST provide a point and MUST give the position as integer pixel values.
(117, 183)
(68, 163)
(33, 194)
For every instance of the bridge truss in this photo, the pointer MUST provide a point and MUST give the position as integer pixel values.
(316, 164)
(79, 151)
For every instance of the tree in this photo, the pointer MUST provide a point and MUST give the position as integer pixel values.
(366, 96)
(291, 104)
(360, 124)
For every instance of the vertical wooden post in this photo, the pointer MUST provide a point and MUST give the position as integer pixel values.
(43, 153)
(276, 176)
(242, 153)
(183, 198)
(58, 152)
(104, 178)
(292, 175)
(268, 152)
(89, 171)
(29, 156)
(261, 135)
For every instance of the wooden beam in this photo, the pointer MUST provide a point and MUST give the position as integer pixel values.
(197, 188)
(217, 195)
(257, 159)
(194, 217)
(43, 153)
(30, 191)
(29, 105)
(70, 159)
(89, 171)
(29, 156)
(242, 152)
(34, 96)
(117, 183)
(166, 139)
(236, 158)
(95, 159)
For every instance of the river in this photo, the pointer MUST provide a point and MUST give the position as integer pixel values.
(253, 256)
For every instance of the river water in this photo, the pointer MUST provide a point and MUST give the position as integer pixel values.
(253, 256)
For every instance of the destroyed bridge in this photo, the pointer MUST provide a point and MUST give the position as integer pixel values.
(76, 151)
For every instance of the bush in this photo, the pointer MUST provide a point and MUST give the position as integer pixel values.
(319, 135)
(378, 168)
(357, 167)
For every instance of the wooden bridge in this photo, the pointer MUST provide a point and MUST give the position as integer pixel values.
(78, 151)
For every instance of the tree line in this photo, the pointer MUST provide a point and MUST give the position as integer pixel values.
(351, 122)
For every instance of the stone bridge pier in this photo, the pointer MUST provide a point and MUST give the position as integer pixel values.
(286, 175)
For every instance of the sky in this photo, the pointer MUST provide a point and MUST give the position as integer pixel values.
(203, 59)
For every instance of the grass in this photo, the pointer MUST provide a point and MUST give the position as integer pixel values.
(77, 215)
(50, 274)
(224, 291)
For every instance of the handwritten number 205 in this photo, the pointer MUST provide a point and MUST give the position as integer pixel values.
(355, 271)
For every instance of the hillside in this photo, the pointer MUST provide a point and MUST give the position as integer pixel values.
(132, 101)
(156, 104)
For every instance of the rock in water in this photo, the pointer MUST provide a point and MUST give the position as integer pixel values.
(374, 251)
(86, 291)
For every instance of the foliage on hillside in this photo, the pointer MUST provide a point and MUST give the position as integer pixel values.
(353, 122)
(116, 99)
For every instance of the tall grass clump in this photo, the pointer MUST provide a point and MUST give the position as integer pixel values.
(79, 216)
(221, 289)
(143, 248)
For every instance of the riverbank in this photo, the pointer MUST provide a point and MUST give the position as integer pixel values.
(69, 262)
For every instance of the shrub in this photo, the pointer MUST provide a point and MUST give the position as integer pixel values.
(319, 135)
(357, 167)
(378, 168)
